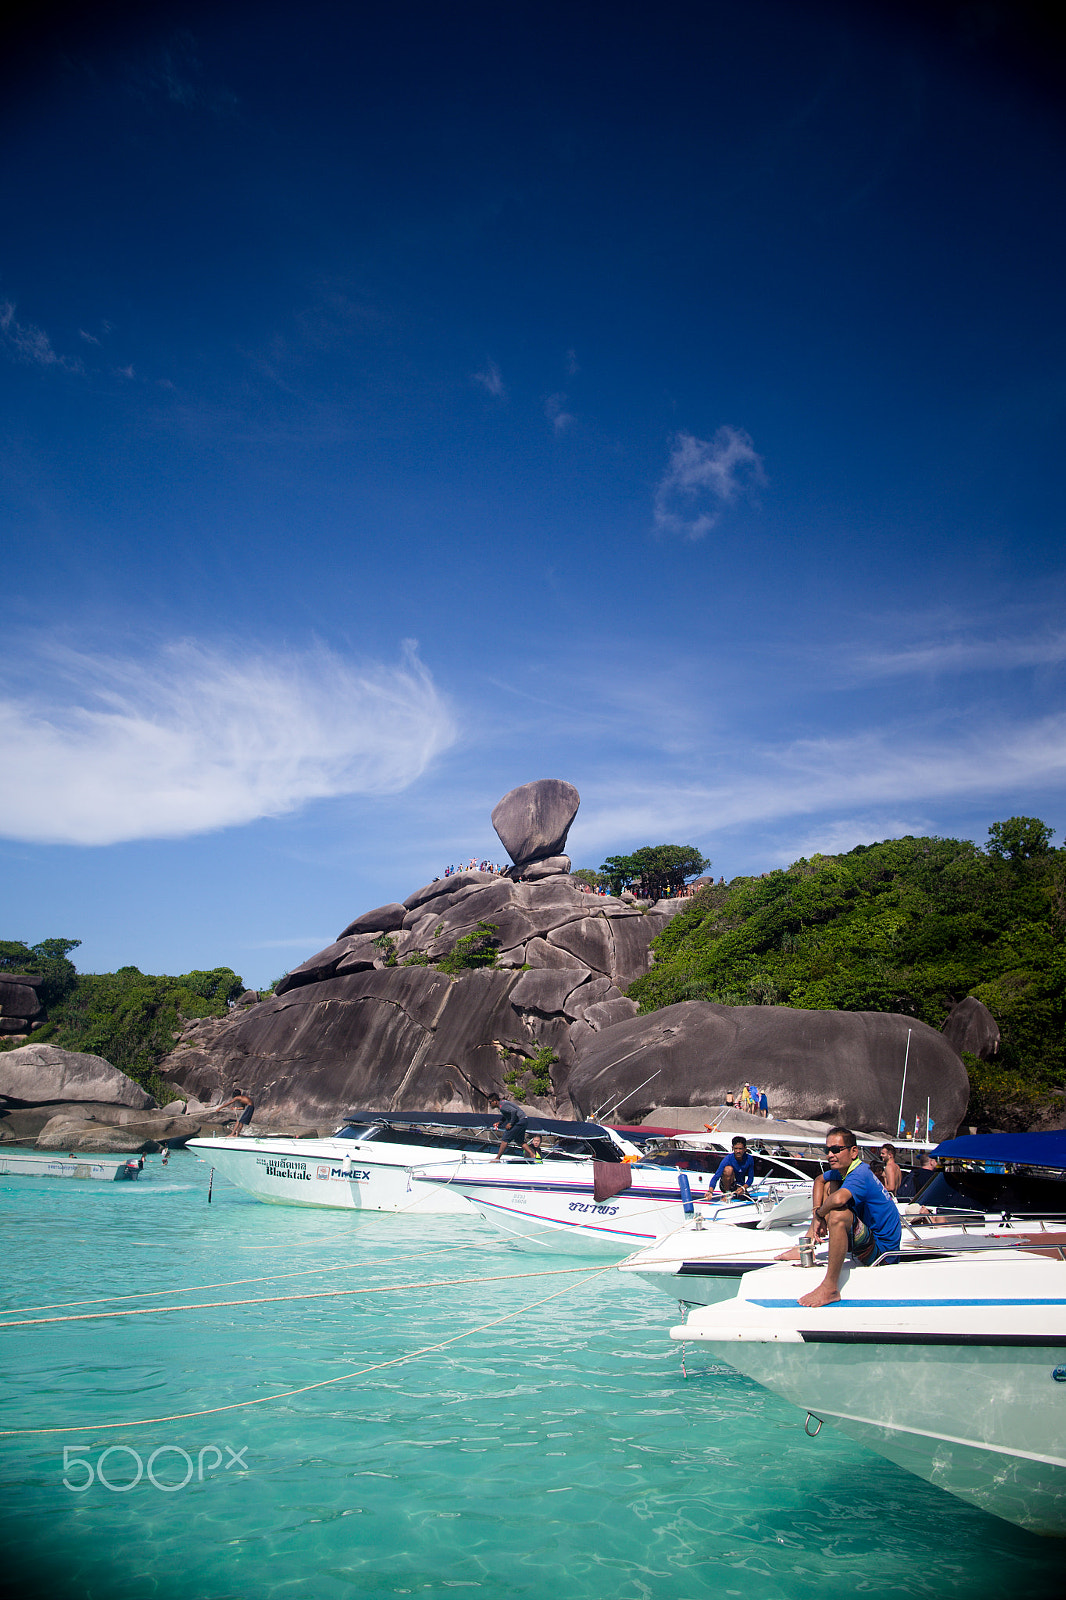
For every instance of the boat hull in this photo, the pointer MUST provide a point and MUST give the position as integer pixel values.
(950, 1414)
(328, 1173)
(26, 1164)
(954, 1368)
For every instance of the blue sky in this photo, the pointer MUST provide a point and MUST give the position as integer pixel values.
(399, 406)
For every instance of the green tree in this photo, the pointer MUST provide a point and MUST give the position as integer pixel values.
(50, 959)
(1020, 838)
(654, 869)
(909, 925)
(589, 875)
(473, 950)
(619, 872)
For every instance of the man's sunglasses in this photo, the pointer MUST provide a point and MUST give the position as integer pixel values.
(834, 1149)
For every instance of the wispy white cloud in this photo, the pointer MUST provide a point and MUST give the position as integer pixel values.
(702, 476)
(572, 367)
(90, 338)
(836, 835)
(28, 343)
(557, 415)
(965, 654)
(873, 770)
(491, 380)
(199, 739)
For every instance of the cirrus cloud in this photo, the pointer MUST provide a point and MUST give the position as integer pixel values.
(702, 476)
(200, 738)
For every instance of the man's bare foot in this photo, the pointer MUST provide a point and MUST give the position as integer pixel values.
(822, 1296)
(789, 1255)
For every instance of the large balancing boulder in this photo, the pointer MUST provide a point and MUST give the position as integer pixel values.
(828, 1066)
(970, 1026)
(38, 1074)
(534, 819)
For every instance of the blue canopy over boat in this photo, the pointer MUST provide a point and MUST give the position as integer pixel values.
(1019, 1149)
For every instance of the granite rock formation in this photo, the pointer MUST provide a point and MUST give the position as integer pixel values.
(371, 1023)
(533, 822)
(827, 1066)
(970, 1026)
(20, 1005)
(42, 1074)
(75, 1128)
(352, 1028)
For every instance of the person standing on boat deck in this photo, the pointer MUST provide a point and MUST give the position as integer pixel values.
(860, 1219)
(239, 1098)
(735, 1173)
(893, 1175)
(513, 1130)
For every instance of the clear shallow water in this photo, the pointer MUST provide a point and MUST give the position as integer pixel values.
(557, 1456)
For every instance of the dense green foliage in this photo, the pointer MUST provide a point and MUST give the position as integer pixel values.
(594, 879)
(531, 1075)
(910, 925)
(653, 870)
(50, 959)
(129, 1017)
(473, 950)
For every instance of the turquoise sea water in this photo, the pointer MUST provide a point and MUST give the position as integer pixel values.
(558, 1455)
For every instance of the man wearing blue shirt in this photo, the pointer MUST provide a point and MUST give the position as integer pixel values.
(735, 1173)
(860, 1217)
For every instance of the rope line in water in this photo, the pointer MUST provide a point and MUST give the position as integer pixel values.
(277, 1299)
(323, 1383)
(236, 1283)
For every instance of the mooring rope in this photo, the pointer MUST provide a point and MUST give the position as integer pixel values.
(238, 1283)
(279, 1299)
(323, 1383)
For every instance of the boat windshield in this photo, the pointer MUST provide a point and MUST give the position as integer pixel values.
(691, 1160)
(356, 1130)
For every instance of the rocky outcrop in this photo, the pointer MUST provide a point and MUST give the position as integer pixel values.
(382, 920)
(20, 1005)
(76, 1128)
(391, 1038)
(970, 1026)
(828, 1066)
(370, 1023)
(39, 1074)
(347, 1029)
(534, 820)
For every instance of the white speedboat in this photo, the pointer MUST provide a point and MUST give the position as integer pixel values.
(996, 1185)
(37, 1164)
(699, 1264)
(373, 1161)
(954, 1367)
(607, 1209)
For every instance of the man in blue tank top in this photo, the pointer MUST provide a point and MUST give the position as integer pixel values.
(860, 1218)
(736, 1172)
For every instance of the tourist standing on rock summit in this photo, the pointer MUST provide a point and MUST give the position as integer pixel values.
(513, 1130)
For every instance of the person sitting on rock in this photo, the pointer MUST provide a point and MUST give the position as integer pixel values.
(513, 1129)
(859, 1217)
